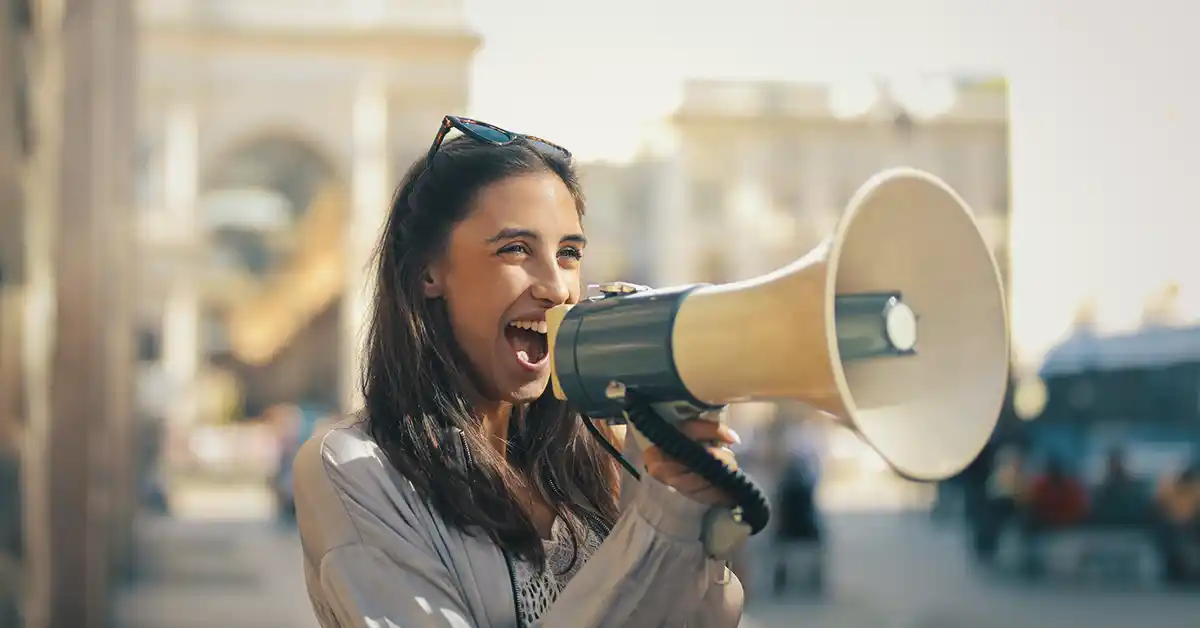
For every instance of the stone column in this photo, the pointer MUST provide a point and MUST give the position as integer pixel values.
(12, 148)
(749, 212)
(181, 312)
(117, 171)
(369, 196)
(12, 157)
(816, 193)
(821, 207)
(673, 253)
(79, 385)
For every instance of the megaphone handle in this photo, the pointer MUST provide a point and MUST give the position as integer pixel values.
(752, 510)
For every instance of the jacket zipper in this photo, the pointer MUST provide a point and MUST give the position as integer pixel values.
(512, 579)
(596, 523)
(508, 561)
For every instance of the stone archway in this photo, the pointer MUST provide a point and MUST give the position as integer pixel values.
(290, 165)
(261, 204)
(258, 193)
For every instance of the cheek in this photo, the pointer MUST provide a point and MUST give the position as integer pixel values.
(473, 320)
(477, 305)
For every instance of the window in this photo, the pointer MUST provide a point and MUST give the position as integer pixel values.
(242, 251)
(147, 176)
(1000, 191)
(998, 170)
(854, 160)
(954, 166)
(714, 266)
(708, 201)
(149, 345)
(788, 198)
(20, 28)
(214, 336)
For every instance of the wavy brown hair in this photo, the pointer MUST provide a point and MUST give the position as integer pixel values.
(416, 378)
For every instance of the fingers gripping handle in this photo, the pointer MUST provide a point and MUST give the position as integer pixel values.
(725, 529)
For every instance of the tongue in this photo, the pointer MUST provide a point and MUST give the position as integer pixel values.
(526, 343)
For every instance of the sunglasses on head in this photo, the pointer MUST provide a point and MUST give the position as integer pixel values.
(487, 134)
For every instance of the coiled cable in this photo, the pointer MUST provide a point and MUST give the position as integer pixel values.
(755, 508)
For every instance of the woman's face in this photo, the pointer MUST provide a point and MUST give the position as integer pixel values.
(515, 256)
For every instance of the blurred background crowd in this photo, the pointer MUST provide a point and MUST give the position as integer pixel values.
(189, 190)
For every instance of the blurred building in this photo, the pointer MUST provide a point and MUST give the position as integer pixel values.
(270, 136)
(764, 170)
(758, 173)
(621, 203)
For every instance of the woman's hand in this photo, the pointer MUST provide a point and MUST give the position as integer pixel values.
(717, 438)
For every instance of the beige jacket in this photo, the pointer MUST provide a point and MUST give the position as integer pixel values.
(375, 555)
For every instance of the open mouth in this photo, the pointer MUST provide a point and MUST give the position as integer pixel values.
(528, 341)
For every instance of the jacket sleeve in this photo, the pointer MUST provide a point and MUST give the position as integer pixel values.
(369, 555)
(652, 570)
(365, 587)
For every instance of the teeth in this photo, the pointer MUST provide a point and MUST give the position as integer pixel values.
(538, 326)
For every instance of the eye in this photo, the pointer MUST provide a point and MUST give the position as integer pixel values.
(515, 248)
(571, 252)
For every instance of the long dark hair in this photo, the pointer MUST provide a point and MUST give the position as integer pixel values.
(416, 378)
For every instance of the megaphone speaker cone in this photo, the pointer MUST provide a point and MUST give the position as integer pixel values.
(907, 249)
(928, 414)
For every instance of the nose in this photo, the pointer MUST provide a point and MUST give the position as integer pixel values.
(552, 286)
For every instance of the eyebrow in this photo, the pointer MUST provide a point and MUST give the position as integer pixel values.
(511, 233)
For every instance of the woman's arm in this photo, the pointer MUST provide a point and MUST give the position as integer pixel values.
(653, 569)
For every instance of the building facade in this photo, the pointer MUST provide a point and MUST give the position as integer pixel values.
(270, 135)
(764, 170)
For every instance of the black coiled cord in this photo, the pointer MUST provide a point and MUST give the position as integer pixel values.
(756, 510)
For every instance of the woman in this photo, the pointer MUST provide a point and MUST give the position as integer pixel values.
(466, 495)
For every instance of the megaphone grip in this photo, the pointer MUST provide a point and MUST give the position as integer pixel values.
(756, 509)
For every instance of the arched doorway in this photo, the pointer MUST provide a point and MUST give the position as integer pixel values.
(256, 195)
(255, 202)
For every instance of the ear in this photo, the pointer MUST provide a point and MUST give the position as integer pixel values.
(431, 282)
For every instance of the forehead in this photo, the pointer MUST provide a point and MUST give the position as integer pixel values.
(537, 202)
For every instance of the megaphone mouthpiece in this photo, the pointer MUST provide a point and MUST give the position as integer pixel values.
(627, 339)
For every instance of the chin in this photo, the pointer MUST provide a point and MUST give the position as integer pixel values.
(530, 392)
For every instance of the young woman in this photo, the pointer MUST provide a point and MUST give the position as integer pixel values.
(466, 495)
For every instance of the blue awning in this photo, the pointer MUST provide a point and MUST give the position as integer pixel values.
(1148, 348)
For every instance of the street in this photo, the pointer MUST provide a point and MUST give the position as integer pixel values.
(887, 570)
(904, 571)
(228, 574)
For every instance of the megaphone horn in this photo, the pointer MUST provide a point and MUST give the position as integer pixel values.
(895, 326)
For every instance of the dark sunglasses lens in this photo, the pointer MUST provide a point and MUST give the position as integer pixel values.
(546, 147)
(488, 133)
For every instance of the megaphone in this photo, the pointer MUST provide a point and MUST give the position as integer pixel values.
(895, 326)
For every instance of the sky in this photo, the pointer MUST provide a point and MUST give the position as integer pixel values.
(1105, 126)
